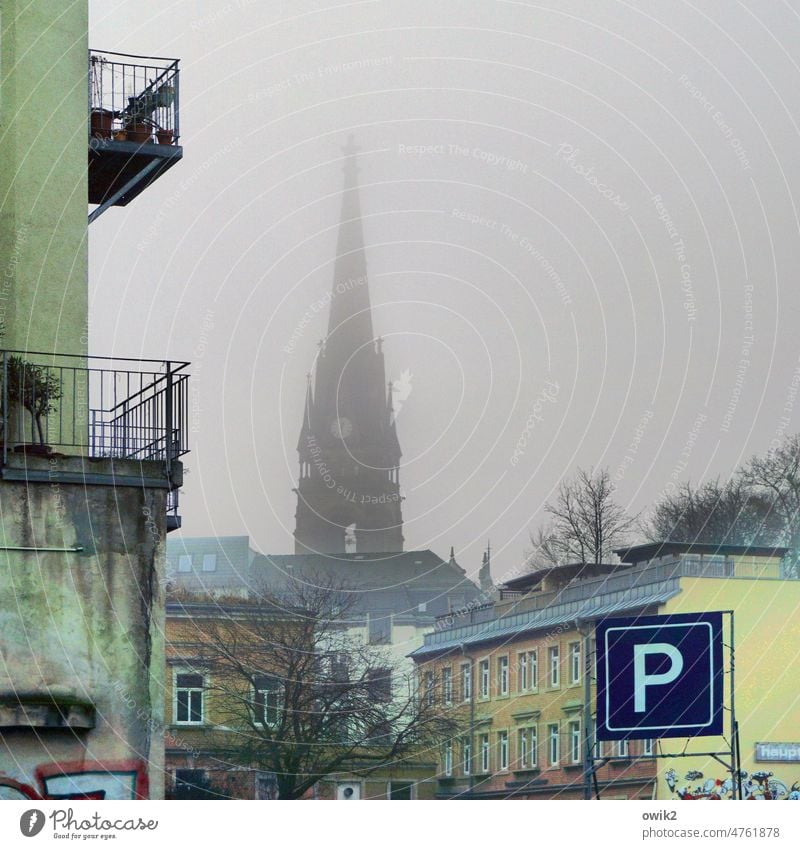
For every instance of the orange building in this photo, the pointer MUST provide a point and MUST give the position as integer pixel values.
(524, 668)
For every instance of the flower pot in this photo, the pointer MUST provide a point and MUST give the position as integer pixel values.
(139, 133)
(164, 136)
(100, 122)
(120, 135)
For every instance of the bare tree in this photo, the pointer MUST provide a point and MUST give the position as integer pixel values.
(733, 512)
(296, 692)
(586, 522)
(775, 477)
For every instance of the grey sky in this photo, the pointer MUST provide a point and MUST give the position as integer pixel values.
(600, 185)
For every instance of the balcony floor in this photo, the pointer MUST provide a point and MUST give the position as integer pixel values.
(113, 163)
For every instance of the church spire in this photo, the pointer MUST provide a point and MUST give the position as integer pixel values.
(349, 451)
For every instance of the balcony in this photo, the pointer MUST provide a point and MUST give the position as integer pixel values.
(134, 128)
(64, 406)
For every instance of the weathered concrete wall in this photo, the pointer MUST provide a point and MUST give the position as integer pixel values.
(43, 175)
(81, 631)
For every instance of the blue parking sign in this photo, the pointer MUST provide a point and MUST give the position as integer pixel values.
(659, 676)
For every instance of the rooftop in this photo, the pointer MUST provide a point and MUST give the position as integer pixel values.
(651, 550)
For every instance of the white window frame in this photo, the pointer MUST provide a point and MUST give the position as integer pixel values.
(201, 690)
(486, 762)
(533, 745)
(185, 563)
(623, 748)
(554, 666)
(575, 663)
(430, 687)
(447, 685)
(485, 678)
(553, 736)
(533, 670)
(279, 702)
(522, 663)
(466, 756)
(466, 682)
(648, 747)
(502, 675)
(522, 747)
(209, 563)
(575, 741)
(502, 750)
(448, 758)
(598, 744)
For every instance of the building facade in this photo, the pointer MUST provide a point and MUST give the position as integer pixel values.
(524, 667)
(89, 474)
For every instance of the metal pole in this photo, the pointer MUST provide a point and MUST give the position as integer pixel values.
(737, 790)
(588, 754)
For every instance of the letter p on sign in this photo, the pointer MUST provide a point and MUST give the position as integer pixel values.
(641, 680)
(659, 676)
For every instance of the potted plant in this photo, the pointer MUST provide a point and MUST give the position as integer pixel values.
(101, 121)
(36, 389)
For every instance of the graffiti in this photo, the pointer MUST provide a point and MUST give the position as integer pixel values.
(117, 780)
(756, 787)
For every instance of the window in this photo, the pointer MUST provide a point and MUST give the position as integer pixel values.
(379, 682)
(466, 682)
(574, 663)
(185, 563)
(552, 654)
(593, 656)
(522, 748)
(622, 748)
(502, 675)
(522, 660)
(401, 789)
(189, 698)
(552, 735)
(649, 747)
(502, 748)
(447, 685)
(188, 781)
(380, 628)
(430, 688)
(598, 745)
(533, 671)
(268, 699)
(484, 753)
(448, 757)
(575, 742)
(209, 562)
(484, 678)
(533, 745)
(466, 756)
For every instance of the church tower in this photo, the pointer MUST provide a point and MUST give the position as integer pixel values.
(348, 495)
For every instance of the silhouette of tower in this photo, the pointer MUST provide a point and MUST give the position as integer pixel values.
(348, 494)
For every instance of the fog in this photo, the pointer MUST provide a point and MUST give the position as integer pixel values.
(582, 243)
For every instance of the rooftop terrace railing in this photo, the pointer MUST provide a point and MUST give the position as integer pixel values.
(93, 406)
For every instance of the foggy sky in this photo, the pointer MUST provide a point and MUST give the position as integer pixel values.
(582, 240)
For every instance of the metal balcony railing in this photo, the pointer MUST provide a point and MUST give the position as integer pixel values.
(133, 98)
(93, 406)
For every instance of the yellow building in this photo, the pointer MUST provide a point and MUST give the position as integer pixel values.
(520, 665)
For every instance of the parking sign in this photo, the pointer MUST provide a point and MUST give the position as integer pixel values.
(659, 676)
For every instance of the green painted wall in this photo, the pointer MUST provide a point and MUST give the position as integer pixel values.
(43, 175)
